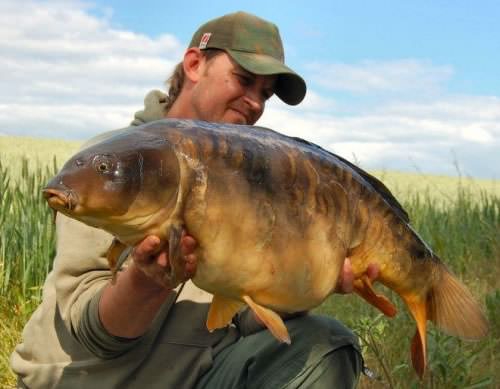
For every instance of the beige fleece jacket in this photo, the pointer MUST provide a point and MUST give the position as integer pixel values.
(64, 345)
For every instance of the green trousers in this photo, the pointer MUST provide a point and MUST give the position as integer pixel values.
(323, 354)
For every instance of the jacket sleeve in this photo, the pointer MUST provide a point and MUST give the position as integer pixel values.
(81, 271)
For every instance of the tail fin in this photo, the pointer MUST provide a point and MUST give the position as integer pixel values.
(453, 309)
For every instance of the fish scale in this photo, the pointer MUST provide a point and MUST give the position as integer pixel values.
(274, 218)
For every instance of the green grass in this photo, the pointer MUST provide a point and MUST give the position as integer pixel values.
(464, 233)
(26, 251)
(462, 226)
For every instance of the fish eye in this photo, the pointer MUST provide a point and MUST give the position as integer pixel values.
(103, 164)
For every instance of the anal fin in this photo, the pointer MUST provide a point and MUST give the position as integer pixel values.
(363, 287)
(419, 341)
(271, 320)
(222, 311)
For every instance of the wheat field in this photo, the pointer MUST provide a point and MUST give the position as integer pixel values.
(41, 152)
(458, 216)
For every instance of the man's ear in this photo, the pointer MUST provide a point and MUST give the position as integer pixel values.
(194, 64)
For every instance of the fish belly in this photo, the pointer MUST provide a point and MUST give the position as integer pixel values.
(255, 244)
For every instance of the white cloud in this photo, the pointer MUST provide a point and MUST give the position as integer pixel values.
(466, 107)
(413, 123)
(370, 76)
(67, 72)
(317, 103)
(429, 136)
(477, 134)
(67, 121)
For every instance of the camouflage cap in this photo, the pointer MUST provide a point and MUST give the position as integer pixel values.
(256, 46)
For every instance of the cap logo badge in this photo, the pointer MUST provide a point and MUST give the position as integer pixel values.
(204, 40)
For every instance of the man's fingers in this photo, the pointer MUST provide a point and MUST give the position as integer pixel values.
(148, 247)
(347, 278)
(372, 271)
(162, 259)
(189, 270)
(151, 245)
(190, 258)
(188, 245)
(152, 254)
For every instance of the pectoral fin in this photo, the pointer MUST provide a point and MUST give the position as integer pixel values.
(270, 319)
(117, 254)
(54, 215)
(363, 286)
(222, 311)
(174, 253)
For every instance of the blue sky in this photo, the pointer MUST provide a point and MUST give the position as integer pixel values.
(465, 34)
(399, 85)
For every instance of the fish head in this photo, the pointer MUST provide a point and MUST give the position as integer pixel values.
(115, 183)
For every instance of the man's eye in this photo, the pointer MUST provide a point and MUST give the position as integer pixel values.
(267, 95)
(244, 80)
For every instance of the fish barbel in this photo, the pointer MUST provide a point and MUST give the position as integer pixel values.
(274, 218)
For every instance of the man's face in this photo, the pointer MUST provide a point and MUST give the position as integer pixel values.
(227, 93)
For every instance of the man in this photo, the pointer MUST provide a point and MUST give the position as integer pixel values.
(141, 333)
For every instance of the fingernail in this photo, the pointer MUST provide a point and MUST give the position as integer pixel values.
(155, 242)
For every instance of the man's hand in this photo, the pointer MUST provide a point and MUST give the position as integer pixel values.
(151, 258)
(127, 308)
(345, 283)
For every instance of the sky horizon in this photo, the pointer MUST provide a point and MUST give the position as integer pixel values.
(391, 85)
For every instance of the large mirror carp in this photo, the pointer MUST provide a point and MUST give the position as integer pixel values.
(274, 218)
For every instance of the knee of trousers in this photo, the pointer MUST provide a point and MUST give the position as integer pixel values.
(322, 349)
(321, 331)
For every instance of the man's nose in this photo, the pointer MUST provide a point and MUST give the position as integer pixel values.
(255, 101)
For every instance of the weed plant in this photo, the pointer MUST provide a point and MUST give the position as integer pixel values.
(463, 231)
(27, 242)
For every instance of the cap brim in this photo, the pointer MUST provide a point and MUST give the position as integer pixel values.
(290, 87)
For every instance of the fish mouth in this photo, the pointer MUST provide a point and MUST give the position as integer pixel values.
(61, 199)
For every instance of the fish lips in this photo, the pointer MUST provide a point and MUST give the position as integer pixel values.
(63, 199)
